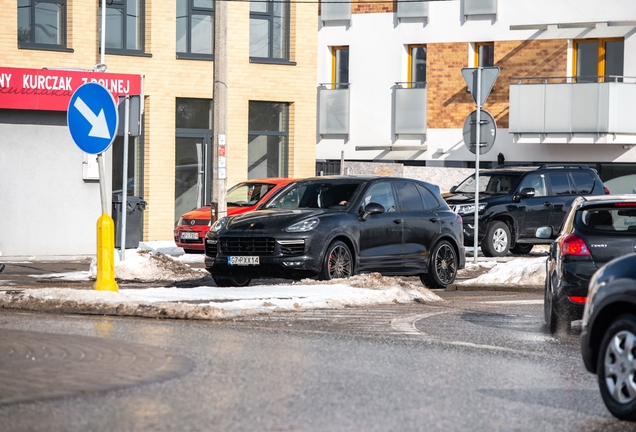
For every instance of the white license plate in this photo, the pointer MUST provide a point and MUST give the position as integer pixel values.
(243, 260)
(188, 235)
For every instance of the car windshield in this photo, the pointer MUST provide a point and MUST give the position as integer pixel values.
(620, 219)
(247, 194)
(332, 194)
(491, 184)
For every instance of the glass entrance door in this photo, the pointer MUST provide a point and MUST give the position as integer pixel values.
(192, 174)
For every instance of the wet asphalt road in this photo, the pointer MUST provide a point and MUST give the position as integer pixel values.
(480, 361)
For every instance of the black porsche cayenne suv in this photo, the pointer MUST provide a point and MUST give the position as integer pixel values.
(335, 227)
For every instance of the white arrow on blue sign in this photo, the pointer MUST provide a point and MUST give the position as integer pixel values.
(92, 118)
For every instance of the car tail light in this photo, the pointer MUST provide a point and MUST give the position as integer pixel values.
(573, 245)
(606, 190)
(625, 204)
(577, 299)
(460, 221)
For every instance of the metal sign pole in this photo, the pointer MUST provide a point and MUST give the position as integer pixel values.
(477, 151)
(124, 181)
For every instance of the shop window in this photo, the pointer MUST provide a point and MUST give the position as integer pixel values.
(269, 31)
(268, 139)
(484, 54)
(340, 67)
(195, 28)
(124, 26)
(598, 60)
(42, 24)
(417, 66)
(193, 142)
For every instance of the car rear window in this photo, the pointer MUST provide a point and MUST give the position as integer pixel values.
(609, 219)
(584, 182)
(429, 198)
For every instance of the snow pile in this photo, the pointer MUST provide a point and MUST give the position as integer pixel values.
(521, 271)
(149, 266)
(220, 303)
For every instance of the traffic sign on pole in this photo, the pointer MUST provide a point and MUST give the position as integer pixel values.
(487, 130)
(92, 118)
(488, 77)
(92, 121)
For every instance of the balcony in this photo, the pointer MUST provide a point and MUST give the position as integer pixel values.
(337, 11)
(412, 9)
(474, 8)
(564, 106)
(333, 109)
(409, 114)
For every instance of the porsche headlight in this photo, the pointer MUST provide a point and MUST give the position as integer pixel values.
(303, 226)
(468, 208)
(219, 225)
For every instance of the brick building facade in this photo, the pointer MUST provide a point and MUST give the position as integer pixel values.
(167, 53)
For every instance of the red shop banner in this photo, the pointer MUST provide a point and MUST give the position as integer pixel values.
(51, 90)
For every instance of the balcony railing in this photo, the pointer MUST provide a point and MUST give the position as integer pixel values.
(567, 105)
(335, 10)
(409, 115)
(333, 109)
(480, 7)
(412, 9)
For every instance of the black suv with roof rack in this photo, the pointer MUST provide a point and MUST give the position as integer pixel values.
(516, 200)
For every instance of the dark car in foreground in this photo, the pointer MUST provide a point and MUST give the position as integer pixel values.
(608, 337)
(335, 227)
(596, 230)
(516, 200)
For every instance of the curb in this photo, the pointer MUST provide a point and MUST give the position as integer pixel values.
(503, 288)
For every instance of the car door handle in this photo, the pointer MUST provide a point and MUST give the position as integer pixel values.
(434, 219)
(547, 204)
(397, 221)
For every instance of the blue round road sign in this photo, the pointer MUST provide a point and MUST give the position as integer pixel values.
(92, 118)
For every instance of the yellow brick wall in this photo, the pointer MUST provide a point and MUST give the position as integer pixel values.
(273, 83)
(448, 99)
(167, 78)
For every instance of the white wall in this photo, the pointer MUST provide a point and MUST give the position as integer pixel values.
(378, 59)
(46, 208)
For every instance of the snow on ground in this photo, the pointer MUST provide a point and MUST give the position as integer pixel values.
(163, 261)
(520, 271)
(205, 302)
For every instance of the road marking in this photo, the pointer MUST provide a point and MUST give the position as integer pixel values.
(407, 324)
(514, 302)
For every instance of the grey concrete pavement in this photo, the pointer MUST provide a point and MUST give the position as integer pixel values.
(35, 365)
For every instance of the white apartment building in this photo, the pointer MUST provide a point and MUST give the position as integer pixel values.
(391, 87)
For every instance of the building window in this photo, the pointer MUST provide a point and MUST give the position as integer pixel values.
(42, 23)
(124, 26)
(484, 54)
(269, 30)
(340, 67)
(193, 138)
(268, 139)
(598, 60)
(417, 66)
(195, 28)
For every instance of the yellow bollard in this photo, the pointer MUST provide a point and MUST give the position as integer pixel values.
(105, 254)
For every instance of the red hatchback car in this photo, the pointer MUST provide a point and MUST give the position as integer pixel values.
(244, 197)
